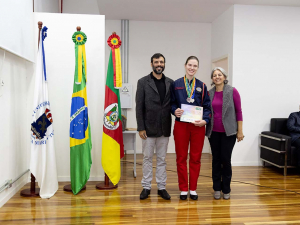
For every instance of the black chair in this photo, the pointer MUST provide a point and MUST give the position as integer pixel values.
(275, 147)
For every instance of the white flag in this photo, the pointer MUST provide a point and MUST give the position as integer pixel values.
(42, 161)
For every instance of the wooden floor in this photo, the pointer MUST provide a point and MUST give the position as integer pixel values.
(259, 196)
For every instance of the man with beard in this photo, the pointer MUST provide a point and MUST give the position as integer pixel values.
(154, 124)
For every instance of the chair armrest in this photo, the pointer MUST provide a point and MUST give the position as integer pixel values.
(275, 136)
(277, 142)
(275, 148)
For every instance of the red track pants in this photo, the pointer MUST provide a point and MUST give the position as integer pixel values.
(185, 134)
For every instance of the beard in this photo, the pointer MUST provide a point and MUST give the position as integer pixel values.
(158, 69)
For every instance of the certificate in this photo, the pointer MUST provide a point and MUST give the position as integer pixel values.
(191, 113)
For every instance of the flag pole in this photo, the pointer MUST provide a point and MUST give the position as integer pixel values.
(106, 184)
(68, 187)
(33, 192)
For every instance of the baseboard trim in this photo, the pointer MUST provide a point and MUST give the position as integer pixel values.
(10, 192)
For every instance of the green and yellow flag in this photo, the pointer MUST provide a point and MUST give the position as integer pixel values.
(80, 130)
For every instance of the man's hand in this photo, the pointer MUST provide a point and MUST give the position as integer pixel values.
(199, 123)
(179, 112)
(143, 134)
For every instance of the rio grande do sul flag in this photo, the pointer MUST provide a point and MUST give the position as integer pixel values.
(112, 138)
(80, 129)
(42, 160)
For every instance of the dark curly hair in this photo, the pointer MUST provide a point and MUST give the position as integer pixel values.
(157, 56)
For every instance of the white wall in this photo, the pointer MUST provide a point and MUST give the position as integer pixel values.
(265, 70)
(176, 41)
(14, 122)
(50, 6)
(222, 38)
(14, 72)
(60, 61)
(16, 28)
(81, 7)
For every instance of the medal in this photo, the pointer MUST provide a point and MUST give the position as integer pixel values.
(190, 89)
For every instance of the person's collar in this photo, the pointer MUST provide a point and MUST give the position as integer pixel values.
(190, 82)
(153, 77)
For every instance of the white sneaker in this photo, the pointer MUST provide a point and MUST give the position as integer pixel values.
(193, 192)
(226, 196)
(217, 195)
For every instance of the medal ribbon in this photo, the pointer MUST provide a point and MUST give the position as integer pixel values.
(190, 89)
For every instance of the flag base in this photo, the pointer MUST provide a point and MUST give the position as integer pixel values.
(103, 186)
(68, 188)
(30, 193)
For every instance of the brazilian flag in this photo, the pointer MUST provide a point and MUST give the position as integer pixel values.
(80, 129)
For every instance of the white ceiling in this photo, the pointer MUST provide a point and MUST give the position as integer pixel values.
(205, 11)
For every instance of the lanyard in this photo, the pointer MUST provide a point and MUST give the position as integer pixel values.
(190, 89)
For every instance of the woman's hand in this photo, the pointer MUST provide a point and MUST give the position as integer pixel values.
(199, 123)
(179, 112)
(240, 136)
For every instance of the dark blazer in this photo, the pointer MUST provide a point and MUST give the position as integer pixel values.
(152, 115)
(293, 125)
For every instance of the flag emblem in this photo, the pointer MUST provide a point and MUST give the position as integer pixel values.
(40, 126)
(111, 117)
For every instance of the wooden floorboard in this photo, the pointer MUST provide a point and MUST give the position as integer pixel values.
(259, 196)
